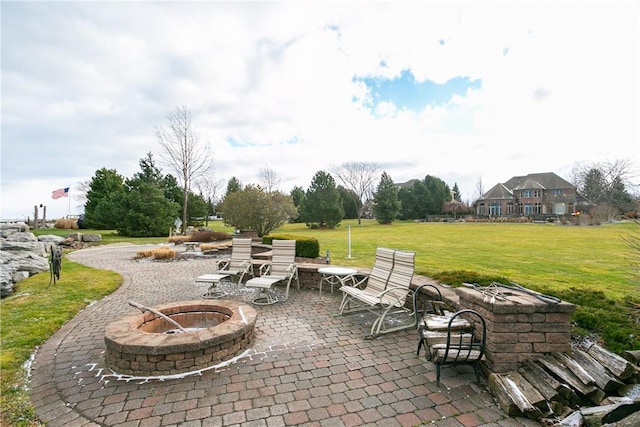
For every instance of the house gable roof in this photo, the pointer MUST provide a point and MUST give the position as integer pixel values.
(498, 192)
(533, 181)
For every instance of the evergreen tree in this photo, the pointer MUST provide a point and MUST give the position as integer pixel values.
(595, 186)
(233, 185)
(386, 203)
(322, 203)
(105, 190)
(297, 195)
(351, 203)
(438, 192)
(145, 211)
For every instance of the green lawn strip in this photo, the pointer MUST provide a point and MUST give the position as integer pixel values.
(30, 316)
(533, 255)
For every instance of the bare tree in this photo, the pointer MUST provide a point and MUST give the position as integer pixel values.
(620, 170)
(80, 195)
(479, 189)
(270, 179)
(360, 177)
(209, 188)
(183, 152)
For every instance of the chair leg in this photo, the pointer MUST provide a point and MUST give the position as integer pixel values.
(344, 302)
(265, 297)
(438, 374)
(477, 372)
(420, 346)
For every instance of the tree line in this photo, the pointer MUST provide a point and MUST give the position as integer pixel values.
(149, 203)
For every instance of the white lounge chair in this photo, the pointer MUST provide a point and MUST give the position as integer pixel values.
(237, 267)
(384, 291)
(281, 268)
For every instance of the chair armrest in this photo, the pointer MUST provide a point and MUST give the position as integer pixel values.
(221, 264)
(265, 268)
(292, 269)
(357, 280)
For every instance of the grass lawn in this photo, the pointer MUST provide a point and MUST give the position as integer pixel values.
(30, 316)
(548, 256)
(591, 267)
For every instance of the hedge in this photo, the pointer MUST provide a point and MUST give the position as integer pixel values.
(306, 247)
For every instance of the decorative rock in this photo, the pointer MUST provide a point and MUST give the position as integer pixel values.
(22, 237)
(75, 236)
(11, 246)
(21, 255)
(19, 275)
(91, 237)
(51, 238)
(13, 227)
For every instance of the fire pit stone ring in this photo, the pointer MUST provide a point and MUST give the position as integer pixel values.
(145, 344)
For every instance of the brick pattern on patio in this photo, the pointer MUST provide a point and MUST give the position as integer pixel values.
(308, 366)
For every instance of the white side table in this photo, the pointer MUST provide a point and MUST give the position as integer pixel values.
(332, 275)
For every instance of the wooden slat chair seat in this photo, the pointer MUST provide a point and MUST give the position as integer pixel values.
(457, 349)
(433, 330)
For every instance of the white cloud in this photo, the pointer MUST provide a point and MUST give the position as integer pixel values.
(84, 84)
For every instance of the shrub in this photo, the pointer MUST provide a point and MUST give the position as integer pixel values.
(162, 252)
(178, 240)
(211, 246)
(66, 224)
(306, 247)
(209, 236)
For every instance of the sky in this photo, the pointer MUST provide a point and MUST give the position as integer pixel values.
(470, 92)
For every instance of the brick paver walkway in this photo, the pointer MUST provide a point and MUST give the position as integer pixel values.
(308, 366)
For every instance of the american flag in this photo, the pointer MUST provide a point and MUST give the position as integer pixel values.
(60, 192)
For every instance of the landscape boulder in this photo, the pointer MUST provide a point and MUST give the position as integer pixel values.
(21, 255)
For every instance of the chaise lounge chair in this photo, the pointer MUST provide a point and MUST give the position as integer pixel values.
(282, 268)
(236, 267)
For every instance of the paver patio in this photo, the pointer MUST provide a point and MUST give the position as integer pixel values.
(308, 366)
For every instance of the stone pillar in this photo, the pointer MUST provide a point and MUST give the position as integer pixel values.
(520, 327)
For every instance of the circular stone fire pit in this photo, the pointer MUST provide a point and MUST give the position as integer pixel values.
(145, 344)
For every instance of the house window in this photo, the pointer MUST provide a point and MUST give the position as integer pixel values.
(537, 208)
(528, 209)
(557, 192)
(525, 194)
(536, 193)
(481, 209)
(510, 209)
(495, 209)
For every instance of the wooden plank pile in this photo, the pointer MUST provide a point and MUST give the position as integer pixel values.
(584, 387)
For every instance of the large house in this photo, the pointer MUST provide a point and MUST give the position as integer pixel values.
(530, 195)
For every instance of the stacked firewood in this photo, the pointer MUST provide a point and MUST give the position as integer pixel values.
(585, 387)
